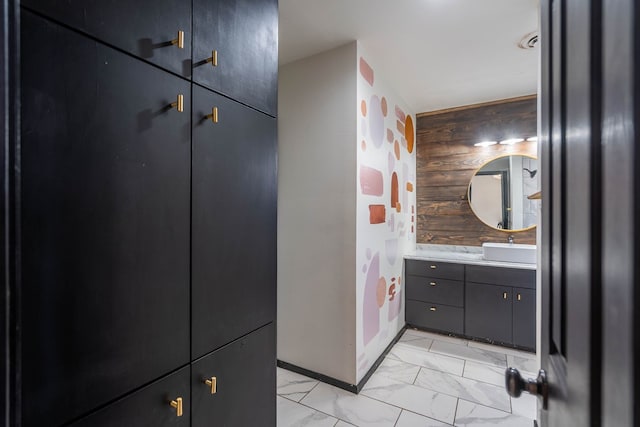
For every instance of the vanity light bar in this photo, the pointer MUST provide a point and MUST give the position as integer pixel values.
(485, 143)
(532, 139)
(511, 141)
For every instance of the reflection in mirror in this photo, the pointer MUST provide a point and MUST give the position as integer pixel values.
(498, 192)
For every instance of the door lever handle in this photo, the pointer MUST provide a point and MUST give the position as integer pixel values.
(515, 385)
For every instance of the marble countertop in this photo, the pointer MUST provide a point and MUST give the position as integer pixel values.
(461, 255)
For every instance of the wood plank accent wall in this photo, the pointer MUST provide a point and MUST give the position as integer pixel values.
(447, 160)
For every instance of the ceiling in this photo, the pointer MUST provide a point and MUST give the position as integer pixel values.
(435, 53)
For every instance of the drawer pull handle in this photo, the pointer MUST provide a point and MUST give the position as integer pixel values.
(519, 297)
(178, 405)
(213, 59)
(213, 383)
(179, 41)
(214, 115)
(433, 267)
(179, 104)
(504, 295)
(432, 283)
(432, 309)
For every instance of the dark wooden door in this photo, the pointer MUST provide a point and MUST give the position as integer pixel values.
(144, 28)
(524, 317)
(245, 378)
(105, 223)
(488, 312)
(244, 35)
(233, 221)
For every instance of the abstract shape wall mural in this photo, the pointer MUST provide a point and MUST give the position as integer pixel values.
(386, 167)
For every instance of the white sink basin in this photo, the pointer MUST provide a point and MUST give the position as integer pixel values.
(509, 252)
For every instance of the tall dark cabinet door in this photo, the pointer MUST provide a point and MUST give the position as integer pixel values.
(233, 221)
(488, 312)
(145, 28)
(524, 317)
(105, 223)
(243, 34)
(245, 378)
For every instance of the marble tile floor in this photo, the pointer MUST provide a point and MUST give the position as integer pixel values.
(426, 380)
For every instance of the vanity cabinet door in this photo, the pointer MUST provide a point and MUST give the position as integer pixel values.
(144, 28)
(245, 383)
(524, 317)
(488, 312)
(105, 223)
(148, 407)
(244, 36)
(233, 221)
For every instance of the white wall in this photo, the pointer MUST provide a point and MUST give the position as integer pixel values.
(317, 213)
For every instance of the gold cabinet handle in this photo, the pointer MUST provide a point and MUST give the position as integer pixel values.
(432, 309)
(214, 115)
(504, 295)
(433, 267)
(179, 41)
(432, 283)
(179, 104)
(178, 405)
(213, 59)
(519, 297)
(213, 383)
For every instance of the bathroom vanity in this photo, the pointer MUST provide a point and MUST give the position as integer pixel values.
(462, 294)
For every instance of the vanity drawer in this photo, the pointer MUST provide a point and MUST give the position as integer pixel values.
(435, 316)
(501, 276)
(440, 270)
(432, 289)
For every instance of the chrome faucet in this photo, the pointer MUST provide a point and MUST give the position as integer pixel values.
(510, 238)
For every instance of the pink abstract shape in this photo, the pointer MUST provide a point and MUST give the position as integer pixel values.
(391, 250)
(391, 162)
(366, 71)
(370, 310)
(400, 114)
(376, 122)
(392, 222)
(389, 135)
(395, 305)
(371, 181)
(400, 126)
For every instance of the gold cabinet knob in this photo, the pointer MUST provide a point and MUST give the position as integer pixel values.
(177, 404)
(179, 41)
(213, 59)
(179, 104)
(519, 297)
(214, 115)
(433, 267)
(213, 384)
(432, 309)
(432, 283)
(504, 295)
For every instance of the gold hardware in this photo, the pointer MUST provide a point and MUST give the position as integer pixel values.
(214, 58)
(214, 115)
(213, 383)
(432, 283)
(433, 267)
(519, 297)
(178, 405)
(432, 309)
(504, 295)
(179, 104)
(179, 41)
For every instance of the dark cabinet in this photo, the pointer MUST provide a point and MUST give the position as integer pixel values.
(244, 380)
(144, 28)
(438, 317)
(149, 407)
(105, 223)
(488, 312)
(524, 317)
(241, 38)
(233, 251)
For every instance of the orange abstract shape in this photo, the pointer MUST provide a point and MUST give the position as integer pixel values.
(363, 108)
(371, 181)
(408, 133)
(377, 214)
(389, 135)
(394, 190)
(398, 207)
(409, 189)
(392, 292)
(363, 144)
(366, 71)
(396, 150)
(381, 291)
(383, 105)
(400, 114)
(400, 126)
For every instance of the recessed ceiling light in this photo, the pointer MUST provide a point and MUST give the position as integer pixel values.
(485, 143)
(511, 141)
(532, 139)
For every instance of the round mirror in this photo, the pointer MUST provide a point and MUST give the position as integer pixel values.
(498, 192)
